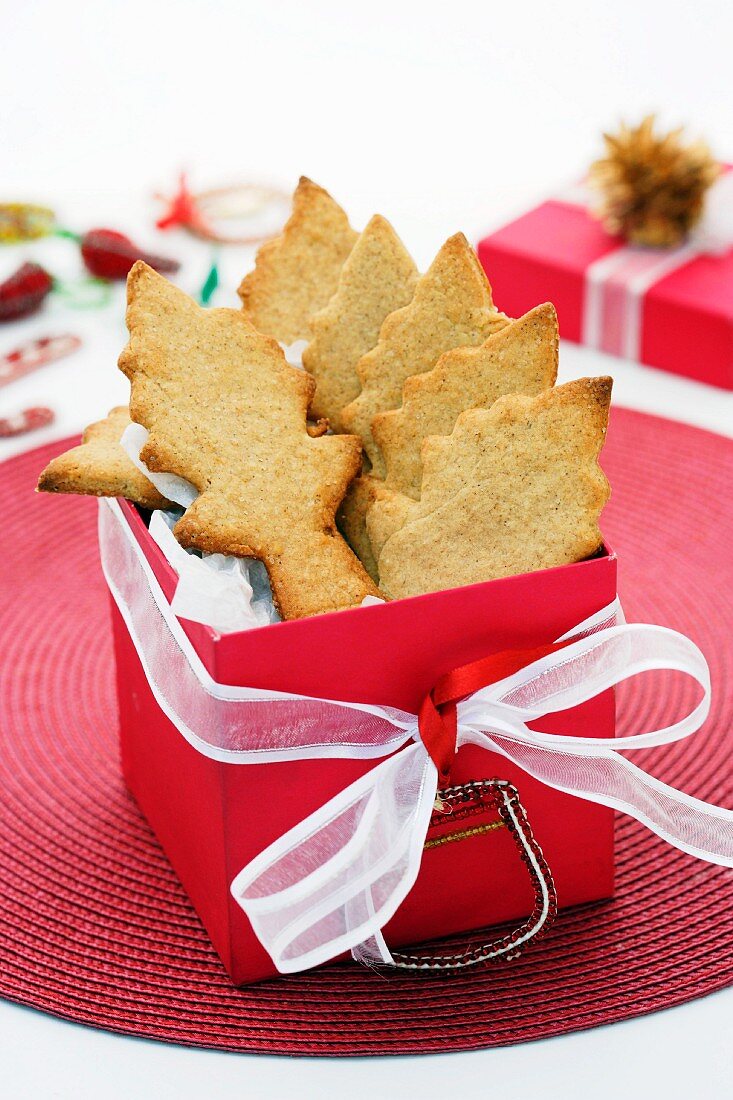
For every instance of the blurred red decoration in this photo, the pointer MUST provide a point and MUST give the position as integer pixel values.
(205, 213)
(183, 211)
(35, 353)
(26, 421)
(110, 255)
(24, 291)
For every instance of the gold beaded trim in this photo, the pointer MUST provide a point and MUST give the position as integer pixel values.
(463, 834)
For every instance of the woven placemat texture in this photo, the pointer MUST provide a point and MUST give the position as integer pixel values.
(94, 926)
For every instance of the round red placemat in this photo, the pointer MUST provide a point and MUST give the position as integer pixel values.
(95, 928)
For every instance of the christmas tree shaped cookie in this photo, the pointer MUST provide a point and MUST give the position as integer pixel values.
(100, 467)
(378, 277)
(519, 358)
(296, 273)
(452, 306)
(227, 412)
(515, 488)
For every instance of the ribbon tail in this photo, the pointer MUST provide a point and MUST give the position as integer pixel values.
(373, 952)
(604, 776)
(334, 880)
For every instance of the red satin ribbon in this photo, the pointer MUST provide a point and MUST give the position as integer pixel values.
(437, 716)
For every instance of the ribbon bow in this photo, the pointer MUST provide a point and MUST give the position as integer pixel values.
(333, 881)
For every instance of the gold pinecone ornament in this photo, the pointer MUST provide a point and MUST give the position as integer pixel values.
(652, 186)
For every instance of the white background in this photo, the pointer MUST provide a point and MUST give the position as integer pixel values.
(442, 116)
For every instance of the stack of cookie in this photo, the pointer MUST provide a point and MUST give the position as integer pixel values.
(423, 446)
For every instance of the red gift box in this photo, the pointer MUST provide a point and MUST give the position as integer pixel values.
(666, 308)
(213, 817)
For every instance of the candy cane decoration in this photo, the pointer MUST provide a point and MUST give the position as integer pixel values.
(35, 353)
(26, 421)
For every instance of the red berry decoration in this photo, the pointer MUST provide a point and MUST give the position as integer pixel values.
(24, 292)
(110, 255)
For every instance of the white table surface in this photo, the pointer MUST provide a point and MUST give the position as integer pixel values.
(442, 117)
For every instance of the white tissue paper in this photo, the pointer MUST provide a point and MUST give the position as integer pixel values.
(171, 486)
(294, 353)
(222, 591)
(225, 592)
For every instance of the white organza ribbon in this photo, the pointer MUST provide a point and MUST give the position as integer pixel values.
(332, 882)
(238, 725)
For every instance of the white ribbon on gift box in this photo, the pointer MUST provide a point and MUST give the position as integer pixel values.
(332, 882)
(616, 283)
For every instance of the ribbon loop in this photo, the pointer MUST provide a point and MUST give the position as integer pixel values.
(438, 728)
